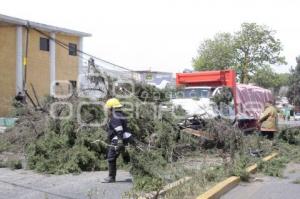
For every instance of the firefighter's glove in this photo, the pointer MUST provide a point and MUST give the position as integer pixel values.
(117, 144)
(120, 144)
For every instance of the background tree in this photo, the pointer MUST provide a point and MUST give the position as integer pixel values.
(294, 84)
(248, 50)
(283, 81)
(216, 53)
(256, 47)
(266, 77)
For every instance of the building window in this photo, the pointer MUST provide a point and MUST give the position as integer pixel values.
(72, 49)
(44, 44)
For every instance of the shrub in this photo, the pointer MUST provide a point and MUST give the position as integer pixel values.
(14, 164)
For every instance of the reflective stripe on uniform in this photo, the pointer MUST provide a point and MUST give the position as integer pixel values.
(126, 135)
(119, 128)
(115, 138)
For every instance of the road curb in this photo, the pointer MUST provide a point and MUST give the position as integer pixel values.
(226, 185)
(166, 188)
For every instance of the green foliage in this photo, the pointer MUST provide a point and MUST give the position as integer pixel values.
(146, 169)
(61, 153)
(215, 54)
(18, 110)
(282, 80)
(147, 183)
(239, 168)
(68, 147)
(91, 113)
(247, 50)
(208, 176)
(256, 46)
(226, 136)
(287, 146)
(149, 93)
(11, 162)
(65, 146)
(167, 136)
(273, 167)
(4, 145)
(147, 166)
(142, 119)
(294, 84)
(267, 78)
(201, 180)
(14, 164)
(213, 174)
(291, 136)
(224, 96)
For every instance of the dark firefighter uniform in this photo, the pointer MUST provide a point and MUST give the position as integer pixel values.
(118, 136)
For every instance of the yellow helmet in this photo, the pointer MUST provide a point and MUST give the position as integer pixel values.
(113, 103)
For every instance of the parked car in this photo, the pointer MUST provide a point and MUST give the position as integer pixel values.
(297, 116)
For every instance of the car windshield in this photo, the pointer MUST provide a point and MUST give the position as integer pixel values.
(194, 93)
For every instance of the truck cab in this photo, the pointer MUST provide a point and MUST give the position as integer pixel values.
(198, 100)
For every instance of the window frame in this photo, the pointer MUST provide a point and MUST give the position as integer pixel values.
(44, 46)
(73, 49)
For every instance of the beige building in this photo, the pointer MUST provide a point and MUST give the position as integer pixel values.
(37, 54)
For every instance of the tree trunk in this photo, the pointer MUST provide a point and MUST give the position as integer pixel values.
(244, 73)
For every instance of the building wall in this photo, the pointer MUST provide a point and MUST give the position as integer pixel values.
(38, 66)
(7, 68)
(66, 65)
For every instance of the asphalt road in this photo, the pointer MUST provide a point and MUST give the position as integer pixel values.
(25, 184)
(265, 187)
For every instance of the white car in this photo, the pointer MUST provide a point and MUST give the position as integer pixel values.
(297, 116)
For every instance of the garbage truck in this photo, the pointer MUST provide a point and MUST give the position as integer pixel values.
(197, 91)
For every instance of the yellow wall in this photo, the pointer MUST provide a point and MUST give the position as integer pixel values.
(66, 65)
(38, 66)
(7, 68)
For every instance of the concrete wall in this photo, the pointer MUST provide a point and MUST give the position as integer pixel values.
(7, 68)
(38, 65)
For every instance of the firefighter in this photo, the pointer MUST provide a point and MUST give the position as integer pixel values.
(268, 120)
(118, 136)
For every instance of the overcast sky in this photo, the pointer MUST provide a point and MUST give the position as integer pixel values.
(160, 34)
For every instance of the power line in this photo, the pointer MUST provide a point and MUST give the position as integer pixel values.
(66, 46)
(61, 44)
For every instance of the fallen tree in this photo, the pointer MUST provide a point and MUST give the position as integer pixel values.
(59, 140)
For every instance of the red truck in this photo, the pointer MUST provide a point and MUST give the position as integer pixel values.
(198, 88)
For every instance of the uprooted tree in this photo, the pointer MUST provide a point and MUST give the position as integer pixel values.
(57, 139)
